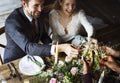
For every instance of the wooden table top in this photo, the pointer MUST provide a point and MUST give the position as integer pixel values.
(5, 73)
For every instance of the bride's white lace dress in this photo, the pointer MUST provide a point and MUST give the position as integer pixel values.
(73, 27)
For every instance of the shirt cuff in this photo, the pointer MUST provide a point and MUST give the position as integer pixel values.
(52, 50)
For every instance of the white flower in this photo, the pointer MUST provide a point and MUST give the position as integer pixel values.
(49, 73)
(74, 70)
(43, 74)
(66, 79)
(68, 58)
(61, 63)
(79, 62)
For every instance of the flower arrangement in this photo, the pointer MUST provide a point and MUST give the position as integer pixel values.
(70, 70)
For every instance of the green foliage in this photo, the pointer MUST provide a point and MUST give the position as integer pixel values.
(62, 71)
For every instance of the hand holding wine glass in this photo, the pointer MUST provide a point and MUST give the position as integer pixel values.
(87, 65)
(110, 62)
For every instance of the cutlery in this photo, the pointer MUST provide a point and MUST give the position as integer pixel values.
(17, 73)
(32, 58)
(12, 74)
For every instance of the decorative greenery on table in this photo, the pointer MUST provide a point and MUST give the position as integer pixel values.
(70, 70)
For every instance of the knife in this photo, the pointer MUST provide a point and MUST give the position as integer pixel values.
(17, 73)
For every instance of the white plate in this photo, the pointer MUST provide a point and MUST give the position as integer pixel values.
(28, 67)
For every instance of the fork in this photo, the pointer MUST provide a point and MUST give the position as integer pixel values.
(12, 74)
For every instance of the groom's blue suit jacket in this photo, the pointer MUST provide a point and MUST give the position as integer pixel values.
(21, 39)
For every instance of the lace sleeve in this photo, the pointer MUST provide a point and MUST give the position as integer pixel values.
(88, 27)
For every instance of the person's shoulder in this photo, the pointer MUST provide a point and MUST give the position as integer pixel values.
(81, 11)
(78, 13)
(15, 13)
(17, 10)
(15, 17)
(53, 12)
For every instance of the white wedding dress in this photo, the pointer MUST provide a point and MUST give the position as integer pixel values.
(73, 28)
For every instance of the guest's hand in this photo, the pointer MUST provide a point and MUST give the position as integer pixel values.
(68, 49)
(87, 65)
(92, 42)
(110, 62)
(111, 51)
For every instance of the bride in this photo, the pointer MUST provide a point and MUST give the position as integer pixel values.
(66, 21)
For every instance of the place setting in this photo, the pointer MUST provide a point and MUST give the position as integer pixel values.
(31, 65)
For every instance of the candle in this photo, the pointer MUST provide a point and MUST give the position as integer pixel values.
(56, 54)
(101, 77)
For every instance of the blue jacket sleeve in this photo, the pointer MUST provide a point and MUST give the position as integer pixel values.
(13, 29)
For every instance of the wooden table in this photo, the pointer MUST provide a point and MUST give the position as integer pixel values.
(5, 74)
(5, 71)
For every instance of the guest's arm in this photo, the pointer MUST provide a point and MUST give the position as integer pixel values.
(112, 52)
(110, 62)
(86, 77)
